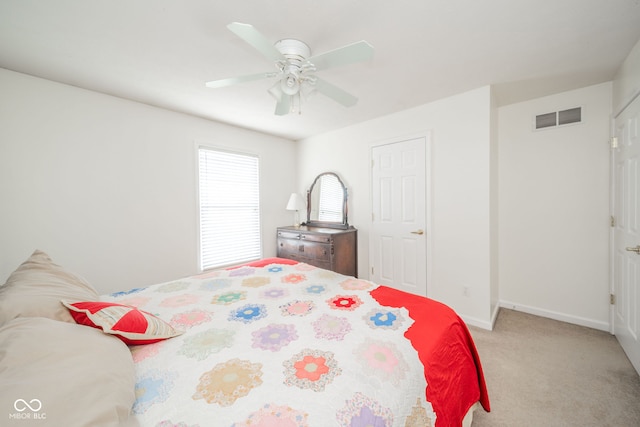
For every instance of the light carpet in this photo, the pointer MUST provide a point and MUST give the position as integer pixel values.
(542, 372)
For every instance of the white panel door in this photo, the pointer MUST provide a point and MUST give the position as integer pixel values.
(398, 233)
(626, 247)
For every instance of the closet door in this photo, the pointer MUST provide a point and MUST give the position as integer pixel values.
(398, 232)
(626, 235)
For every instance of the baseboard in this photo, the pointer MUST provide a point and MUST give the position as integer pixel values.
(472, 321)
(483, 324)
(494, 315)
(563, 317)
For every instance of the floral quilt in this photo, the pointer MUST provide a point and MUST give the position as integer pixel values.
(277, 345)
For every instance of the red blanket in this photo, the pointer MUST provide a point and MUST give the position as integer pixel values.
(446, 350)
(265, 261)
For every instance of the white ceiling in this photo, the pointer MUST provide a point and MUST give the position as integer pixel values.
(161, 52)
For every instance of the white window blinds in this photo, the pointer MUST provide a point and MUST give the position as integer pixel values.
(331, 199)
(229, 185)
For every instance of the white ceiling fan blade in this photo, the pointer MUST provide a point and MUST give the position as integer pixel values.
(283, 107)
(259, 42)
(355, 52)
(335, 93)
(239, 79)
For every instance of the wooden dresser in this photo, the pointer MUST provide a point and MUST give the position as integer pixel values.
(332, 249)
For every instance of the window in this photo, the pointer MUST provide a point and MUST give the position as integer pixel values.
(229, 187)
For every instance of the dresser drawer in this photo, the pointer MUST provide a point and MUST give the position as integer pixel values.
(321, 238)
(315, 251)
(287, 246)
(301, 249)
(289, 235)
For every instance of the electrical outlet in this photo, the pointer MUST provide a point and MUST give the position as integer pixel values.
(465, 291)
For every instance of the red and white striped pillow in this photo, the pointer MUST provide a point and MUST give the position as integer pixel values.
(131, 325)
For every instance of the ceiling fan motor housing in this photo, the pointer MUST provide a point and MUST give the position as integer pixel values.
(294, 50)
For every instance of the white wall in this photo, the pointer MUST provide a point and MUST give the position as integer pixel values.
(554, 209)
(626, 83)
(461, 191)
(108, 187)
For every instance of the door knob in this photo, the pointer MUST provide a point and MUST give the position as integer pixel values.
(635, 249)
(422, 232)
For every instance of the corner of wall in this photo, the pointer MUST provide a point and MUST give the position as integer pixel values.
(626, 83)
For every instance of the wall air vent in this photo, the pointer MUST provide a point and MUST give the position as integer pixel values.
(558, 118)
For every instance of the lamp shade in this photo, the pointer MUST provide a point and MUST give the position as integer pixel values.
(296, 202)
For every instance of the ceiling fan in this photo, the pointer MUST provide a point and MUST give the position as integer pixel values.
(295, 68)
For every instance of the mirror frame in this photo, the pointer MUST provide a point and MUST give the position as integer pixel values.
(313, 223)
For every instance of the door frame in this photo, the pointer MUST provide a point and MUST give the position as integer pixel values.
(428, 171)
(612, 228)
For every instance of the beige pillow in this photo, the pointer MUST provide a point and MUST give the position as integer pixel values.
(36, 288)
(64, 375)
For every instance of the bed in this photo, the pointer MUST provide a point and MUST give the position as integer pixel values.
(269, 343)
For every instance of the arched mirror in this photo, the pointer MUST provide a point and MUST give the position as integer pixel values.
(327, 202)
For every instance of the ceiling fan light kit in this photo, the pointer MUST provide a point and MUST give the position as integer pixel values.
(295, 67)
